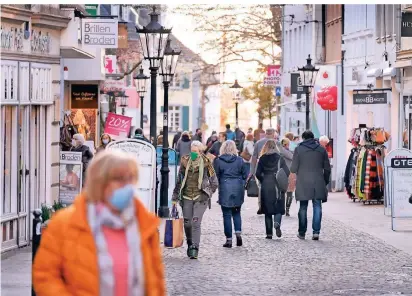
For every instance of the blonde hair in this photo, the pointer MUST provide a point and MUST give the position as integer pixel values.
(289, 136)
(285, 141)
(270, 147)
(105, 167)
(228, 147)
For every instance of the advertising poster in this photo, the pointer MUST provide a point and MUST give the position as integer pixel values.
(71, 169)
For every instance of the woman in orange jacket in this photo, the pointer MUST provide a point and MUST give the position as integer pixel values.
(106, 243)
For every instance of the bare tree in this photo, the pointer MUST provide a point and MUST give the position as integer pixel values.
(265, 99)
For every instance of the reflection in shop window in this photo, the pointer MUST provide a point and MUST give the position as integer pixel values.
(7, 113)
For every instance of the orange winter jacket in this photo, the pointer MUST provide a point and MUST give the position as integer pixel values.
(66, 262)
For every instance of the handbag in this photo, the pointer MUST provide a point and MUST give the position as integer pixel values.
(173, 230)
(282, 179)
(251, 187)
(245, 154)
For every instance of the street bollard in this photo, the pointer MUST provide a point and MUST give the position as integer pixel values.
(36, 237)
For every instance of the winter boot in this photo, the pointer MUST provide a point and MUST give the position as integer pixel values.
(228, 243)
(277, 229)
(194, 252)
(189, 246)
(239, 241)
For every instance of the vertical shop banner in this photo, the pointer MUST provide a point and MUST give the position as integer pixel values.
(273, 76)
(117, 125)
(123, 36)
(110, 64)
(71, 170)
(100, 33)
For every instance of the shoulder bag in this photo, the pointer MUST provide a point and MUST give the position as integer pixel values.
(282, 179)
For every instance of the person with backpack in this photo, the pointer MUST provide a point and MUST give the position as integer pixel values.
(230, 135)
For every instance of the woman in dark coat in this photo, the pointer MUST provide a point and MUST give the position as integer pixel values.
(272, 199)
(232, 173)
(87, 155)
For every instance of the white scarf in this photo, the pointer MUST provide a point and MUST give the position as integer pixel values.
(127, 221)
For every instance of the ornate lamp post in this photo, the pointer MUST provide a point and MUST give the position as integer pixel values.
(141, 88)
(123, 100)
(236, 90)
(308, 77)
(168, 69)
(153, 39)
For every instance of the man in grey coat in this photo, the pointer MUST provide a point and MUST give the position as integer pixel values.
(270, 134)
(311, 165)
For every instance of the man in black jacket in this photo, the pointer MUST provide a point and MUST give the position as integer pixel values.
(312, 167)
(215, 149)
(138, 135)
(176, 138)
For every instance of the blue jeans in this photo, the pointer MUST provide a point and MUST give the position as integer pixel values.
(270, 225)
(303, 216)
(228, 214)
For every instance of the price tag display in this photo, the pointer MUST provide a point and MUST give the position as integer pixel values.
(401, 191)
(117, 125)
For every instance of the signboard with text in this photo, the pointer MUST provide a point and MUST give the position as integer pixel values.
(406, 24)
(71, 175)
(370, 99)
(117, 125)
(85, 96)
(100, 33)
(113, 86)
(274, 76)
(296, 86)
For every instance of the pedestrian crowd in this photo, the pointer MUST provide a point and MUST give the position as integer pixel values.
(107, 242)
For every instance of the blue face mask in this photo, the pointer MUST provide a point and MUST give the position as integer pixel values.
(121, 197)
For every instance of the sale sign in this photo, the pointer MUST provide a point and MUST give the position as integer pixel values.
(110, 64)
(117, 125)
(274, 76)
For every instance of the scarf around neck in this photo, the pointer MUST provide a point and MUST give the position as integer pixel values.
(102, 216)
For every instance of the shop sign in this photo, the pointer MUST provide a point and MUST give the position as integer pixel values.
(12, 38)
(117, 125)
(123, 36)
(71, 175)
(296, 84)
(40, 42)
(401, 163)
(370, 99)
(91, 9)
(85, 96)
(113, 86)
(100, 33)
(406, 24)
(274, 76)
(110, 64)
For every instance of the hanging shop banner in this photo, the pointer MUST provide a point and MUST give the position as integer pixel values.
(370, 99)
(296, 86)
(71, 169)
(145, 154)
(110, 64)
(398, 154)
(406, 24)
(273, 76)
(123, 36)
(85, 96)
(117, 125)
(91, 9)
(100, 33)
(401, 192)
(113, 86)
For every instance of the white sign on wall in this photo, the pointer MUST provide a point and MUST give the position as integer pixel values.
(100, 33)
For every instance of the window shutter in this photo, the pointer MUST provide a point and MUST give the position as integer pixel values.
(161, 109)
(186, 82)
(185, 118)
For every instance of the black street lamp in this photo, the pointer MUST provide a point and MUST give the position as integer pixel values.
(168, 69)
(153, 38)
(141, 88)
(236, 90)
(123, 101)
(308, 76)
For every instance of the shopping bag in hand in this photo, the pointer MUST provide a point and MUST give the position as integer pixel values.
(174, 230)
(251, 187)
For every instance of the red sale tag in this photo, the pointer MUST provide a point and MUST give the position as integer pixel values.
(117, 125)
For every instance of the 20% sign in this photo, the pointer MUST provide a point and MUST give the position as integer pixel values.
(117, 124)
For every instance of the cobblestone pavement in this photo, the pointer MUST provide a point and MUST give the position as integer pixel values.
(344, 262)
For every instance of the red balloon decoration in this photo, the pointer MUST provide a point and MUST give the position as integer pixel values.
(328, 98)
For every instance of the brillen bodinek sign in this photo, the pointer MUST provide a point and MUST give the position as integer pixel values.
(100, 33)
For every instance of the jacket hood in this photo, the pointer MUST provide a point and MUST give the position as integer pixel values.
(185, 138)
(228, 158)
(311, 144)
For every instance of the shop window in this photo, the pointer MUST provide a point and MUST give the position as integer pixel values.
(174, 118)
(7, 126)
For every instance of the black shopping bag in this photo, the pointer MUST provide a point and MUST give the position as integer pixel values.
(251, 187)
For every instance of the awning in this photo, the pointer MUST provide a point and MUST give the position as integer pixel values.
(74, 53)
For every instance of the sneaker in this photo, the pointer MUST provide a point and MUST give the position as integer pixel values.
(315, 236)
(301, 236)
(227, 244)
(278, 230)
(189, 246)
(268, 237)
(239, 241)
(194, 252)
